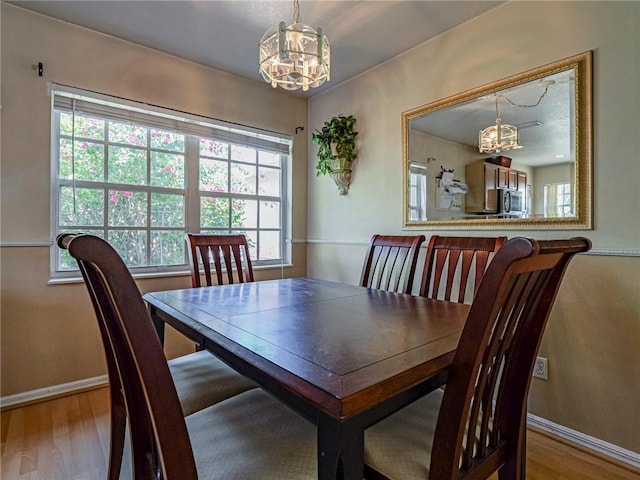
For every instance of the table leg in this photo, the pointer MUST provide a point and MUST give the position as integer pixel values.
(340, 450)
(158, 323)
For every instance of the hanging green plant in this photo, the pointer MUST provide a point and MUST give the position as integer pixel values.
(337, 142)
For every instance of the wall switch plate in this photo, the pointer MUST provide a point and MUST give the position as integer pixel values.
(540, 368)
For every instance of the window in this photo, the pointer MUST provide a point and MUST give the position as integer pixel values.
(140, 177)
(558, 201)
(417, 191)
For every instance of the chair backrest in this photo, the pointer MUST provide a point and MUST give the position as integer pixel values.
(232, 249)
(460, 255)
(158, 432)
(391, 262)
(482, 418)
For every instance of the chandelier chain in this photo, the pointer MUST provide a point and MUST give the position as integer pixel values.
(527, 106)
(296, 11)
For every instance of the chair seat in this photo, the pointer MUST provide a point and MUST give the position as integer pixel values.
(400, 445)
(252, 436)
(203, 380)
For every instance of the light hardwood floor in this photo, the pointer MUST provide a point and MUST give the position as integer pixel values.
(68, 439)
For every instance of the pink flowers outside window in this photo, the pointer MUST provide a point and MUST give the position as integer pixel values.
(115, 194)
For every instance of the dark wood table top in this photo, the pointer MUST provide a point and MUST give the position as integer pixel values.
(328, 349)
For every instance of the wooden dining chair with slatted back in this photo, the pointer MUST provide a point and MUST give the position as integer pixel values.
(477, 426)
(250, 435)
(200, 378)
(454, 266)
(228, 254)
(390, 262)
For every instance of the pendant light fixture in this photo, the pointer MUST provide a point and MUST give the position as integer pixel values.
(295, 56)
(498, 138)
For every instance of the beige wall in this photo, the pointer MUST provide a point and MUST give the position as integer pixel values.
(594, 332)
(49, 333)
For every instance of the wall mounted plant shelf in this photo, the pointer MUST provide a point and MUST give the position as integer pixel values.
(337, 150)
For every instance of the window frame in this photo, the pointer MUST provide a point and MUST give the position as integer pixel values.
(194, 128)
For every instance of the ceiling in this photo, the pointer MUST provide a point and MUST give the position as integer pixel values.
(224, 34)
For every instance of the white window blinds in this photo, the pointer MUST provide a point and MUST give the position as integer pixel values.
(103, 106)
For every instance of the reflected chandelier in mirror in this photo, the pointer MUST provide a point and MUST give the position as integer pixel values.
(527, 137)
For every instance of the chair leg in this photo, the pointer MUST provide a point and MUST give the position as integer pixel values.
(515, 467)
(118, 432)
(523, 448)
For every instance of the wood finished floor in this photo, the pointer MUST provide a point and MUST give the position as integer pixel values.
(68, 439)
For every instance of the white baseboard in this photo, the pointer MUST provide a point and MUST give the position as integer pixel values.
(54, 391)
(587, 441)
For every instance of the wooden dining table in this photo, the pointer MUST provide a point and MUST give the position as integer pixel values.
(342, 356)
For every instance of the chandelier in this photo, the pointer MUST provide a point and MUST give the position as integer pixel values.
(294, 56)
(498, 138)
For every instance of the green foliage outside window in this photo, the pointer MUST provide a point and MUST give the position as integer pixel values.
(146, 227)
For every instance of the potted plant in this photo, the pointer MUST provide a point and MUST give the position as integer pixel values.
(337, 149)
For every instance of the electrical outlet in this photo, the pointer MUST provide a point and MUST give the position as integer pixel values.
(540, 368)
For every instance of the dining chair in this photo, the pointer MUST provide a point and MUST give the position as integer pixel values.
(390, 262)
(465, 259)
(489, 379)
(200, 379)
(208, 249)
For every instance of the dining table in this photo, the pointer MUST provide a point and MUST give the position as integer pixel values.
(342, 356)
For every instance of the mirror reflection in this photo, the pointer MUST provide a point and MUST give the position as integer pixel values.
(515, 152)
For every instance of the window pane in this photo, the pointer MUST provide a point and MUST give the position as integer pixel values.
(127, 209)
(214, 212)
(244, 213)
(86, 127)
(88, 164)
(167, 210)
(131, 245)
(89, 207)
(243, 179)
(167, 140)
(269, 181)
(214, 175)
(269, 158)
(127, 165)
(252, 240)
(243, 154)
(167, 170)
(167, 248)
(129, 134)
(214, 148)
(269, 247)
(270, 214)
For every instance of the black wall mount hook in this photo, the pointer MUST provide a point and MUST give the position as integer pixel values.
(299, 129)
(40, 69)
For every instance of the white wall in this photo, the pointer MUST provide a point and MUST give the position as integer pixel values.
(593, 336)
(438, 154)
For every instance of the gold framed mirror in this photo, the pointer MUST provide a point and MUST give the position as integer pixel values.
(457, 175)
